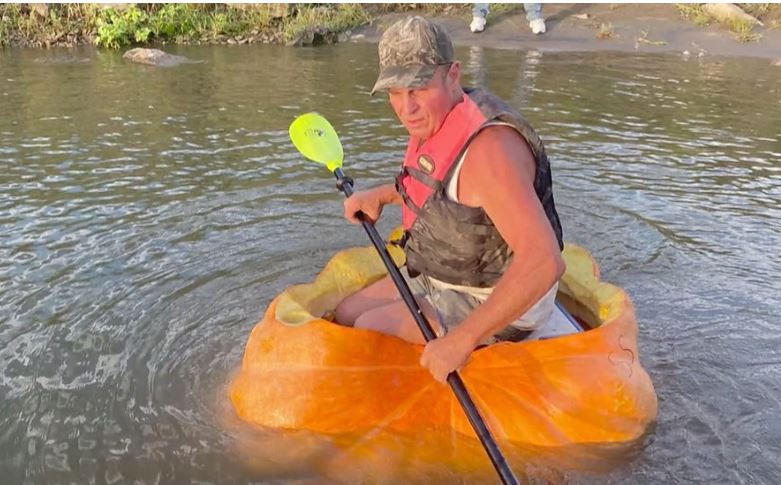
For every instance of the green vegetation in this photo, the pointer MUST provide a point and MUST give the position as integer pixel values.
(336, 18)
(743, 31)
(694, 13)
(43, 25)
(756, 9)
(429, 9)
(117, 29)
(183, 23)
(39, 25)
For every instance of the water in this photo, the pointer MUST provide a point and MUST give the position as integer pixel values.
(147, 216)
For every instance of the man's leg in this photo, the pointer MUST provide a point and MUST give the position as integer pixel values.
(396, 319)
(378, 294)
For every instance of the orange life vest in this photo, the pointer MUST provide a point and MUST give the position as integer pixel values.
(445, 239)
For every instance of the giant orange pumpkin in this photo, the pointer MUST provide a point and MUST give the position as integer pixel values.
(301, 372)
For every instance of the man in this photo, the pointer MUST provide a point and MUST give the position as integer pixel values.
(483, 239)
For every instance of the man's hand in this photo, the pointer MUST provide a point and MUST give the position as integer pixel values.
(370, 202)
(445, 354)
(365, 201)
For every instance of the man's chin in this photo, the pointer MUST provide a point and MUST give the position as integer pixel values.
(417, 131)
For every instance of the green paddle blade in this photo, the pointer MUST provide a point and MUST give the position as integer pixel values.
(317, 140)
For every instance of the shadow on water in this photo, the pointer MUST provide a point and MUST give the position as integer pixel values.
(147, 216)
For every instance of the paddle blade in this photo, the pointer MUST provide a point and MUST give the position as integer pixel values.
(317, 140)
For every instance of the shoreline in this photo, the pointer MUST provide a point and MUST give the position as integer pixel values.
(646, 28)
(641, 28)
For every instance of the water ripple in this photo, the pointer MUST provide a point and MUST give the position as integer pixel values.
(143, 233)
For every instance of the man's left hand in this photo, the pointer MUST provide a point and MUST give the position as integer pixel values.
(446, 354)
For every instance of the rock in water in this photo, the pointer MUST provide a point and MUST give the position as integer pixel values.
(155, 57)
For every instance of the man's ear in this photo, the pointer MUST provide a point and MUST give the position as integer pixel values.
(454, 74)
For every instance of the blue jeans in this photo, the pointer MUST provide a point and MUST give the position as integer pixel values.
(533, 10)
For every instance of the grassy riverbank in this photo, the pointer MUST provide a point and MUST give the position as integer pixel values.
(116, 26)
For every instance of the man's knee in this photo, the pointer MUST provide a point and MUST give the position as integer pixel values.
(377, 294)
(347, 312)
(367, 321)
(395, 319)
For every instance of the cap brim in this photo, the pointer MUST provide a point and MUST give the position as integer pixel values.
(414, 76)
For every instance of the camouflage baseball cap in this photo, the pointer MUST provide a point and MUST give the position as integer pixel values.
(410, 51)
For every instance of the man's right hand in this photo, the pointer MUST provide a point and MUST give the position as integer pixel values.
(366, 201)
(370, 202)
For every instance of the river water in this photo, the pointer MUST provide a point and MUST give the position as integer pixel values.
(147, 216)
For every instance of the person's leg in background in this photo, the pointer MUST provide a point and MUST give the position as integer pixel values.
(535, 18)
(479, 13)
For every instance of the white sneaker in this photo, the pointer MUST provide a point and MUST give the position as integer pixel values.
(537, 26)
(477, 25)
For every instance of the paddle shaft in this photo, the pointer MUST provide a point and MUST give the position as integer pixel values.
(483, 433)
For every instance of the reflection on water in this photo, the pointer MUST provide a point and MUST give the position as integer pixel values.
(148, 215)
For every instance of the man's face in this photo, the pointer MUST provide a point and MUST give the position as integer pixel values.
(423, 110)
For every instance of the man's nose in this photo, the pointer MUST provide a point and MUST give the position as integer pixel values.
(410, 104)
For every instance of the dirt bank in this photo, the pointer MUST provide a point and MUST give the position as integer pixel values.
(578, 27)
